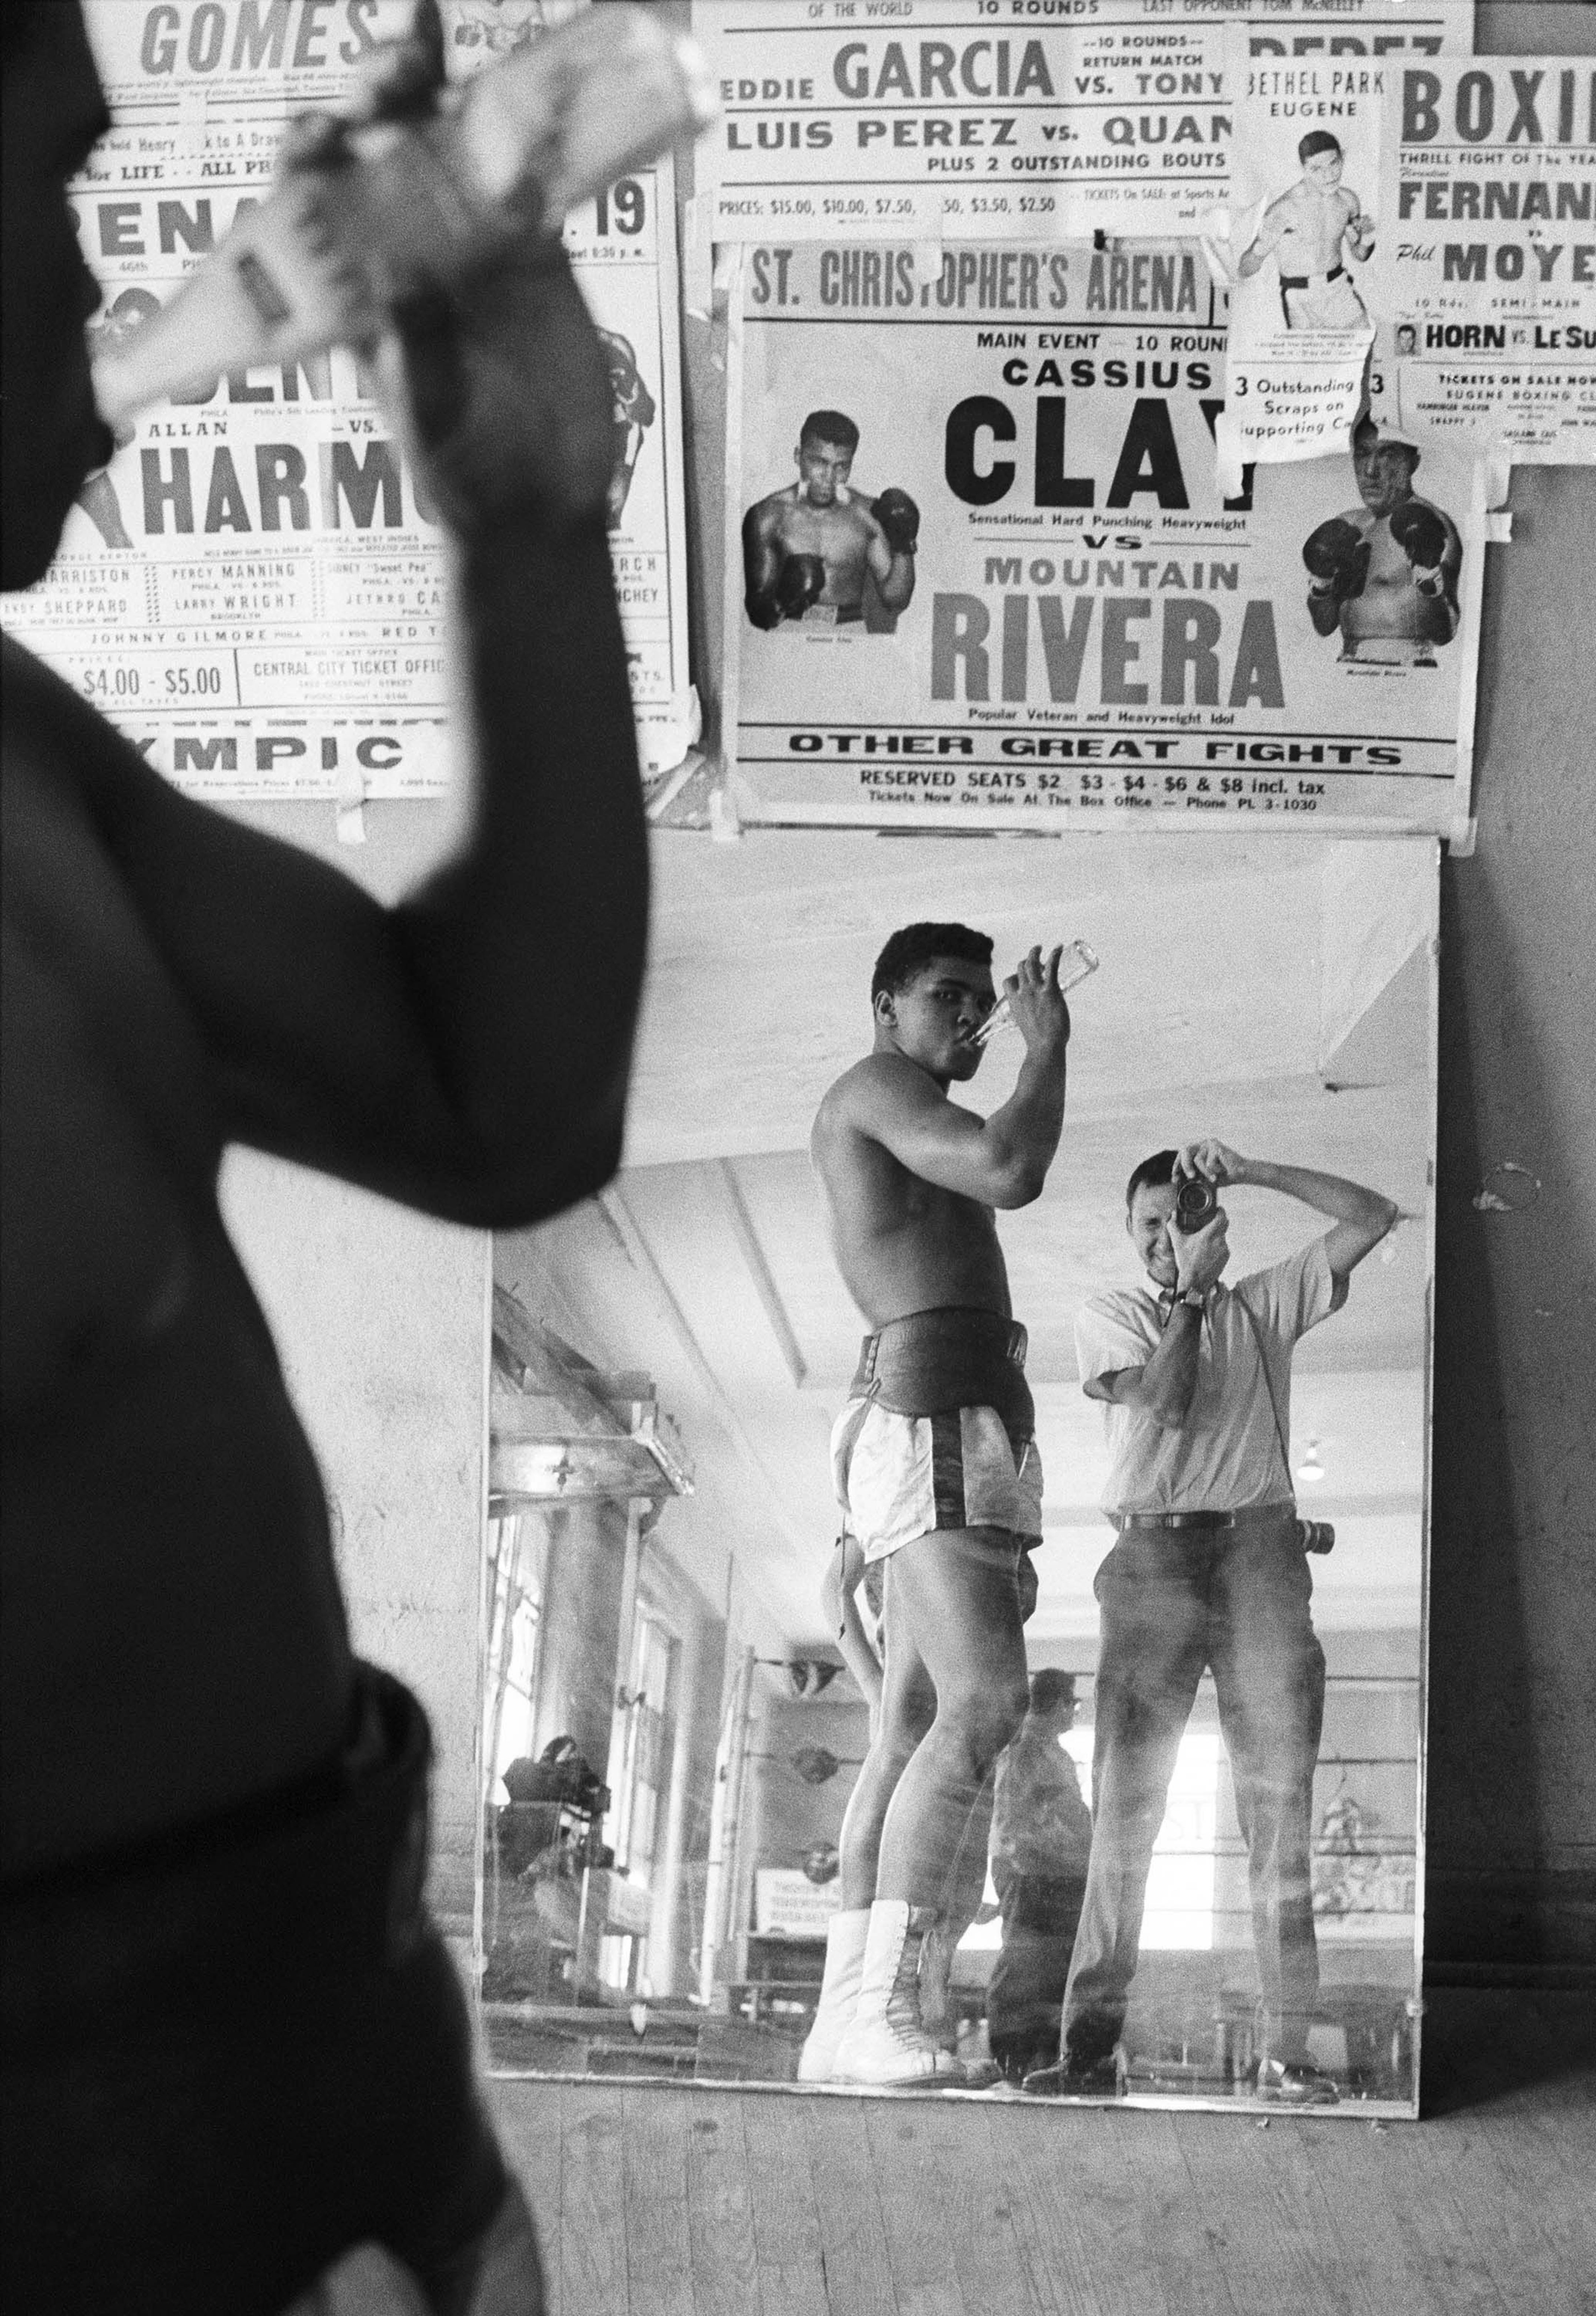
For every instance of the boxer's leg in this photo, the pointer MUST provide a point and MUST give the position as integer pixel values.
(908, 1707)
(954, 1592)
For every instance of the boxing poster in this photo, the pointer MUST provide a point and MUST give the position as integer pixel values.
(253, 589)
(983, 572)
(1028, 120)
(1290, 246)
(1484, 286)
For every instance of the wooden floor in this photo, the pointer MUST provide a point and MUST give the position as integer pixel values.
(660, 2202)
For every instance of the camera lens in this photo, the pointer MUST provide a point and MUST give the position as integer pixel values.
(1194, 1203)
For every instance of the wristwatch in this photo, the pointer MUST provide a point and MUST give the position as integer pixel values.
(1193, 1298)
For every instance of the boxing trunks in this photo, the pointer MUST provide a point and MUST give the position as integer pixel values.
(829, 615)
(232, 2054)
(1321, 301)
(938, 1431)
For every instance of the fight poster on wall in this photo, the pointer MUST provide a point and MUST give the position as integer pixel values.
(1291, 245)
(1030, 120)
(985, 569)
(1483, 285)
(253, 589)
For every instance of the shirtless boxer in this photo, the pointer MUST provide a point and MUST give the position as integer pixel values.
(1385, 573)
(807, 550)
(1306, 230)
(934, 1454)
(234, 2044)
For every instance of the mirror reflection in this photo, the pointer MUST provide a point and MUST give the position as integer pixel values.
(1027, 1703)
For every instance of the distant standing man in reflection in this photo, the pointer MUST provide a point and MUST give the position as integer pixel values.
(1042, 1838)
(933, 1456)
(1208, 1571)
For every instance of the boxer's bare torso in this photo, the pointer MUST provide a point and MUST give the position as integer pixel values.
(844, 534)
(900, 1242)
(174, 1640)
(910, 1178)
(1307, 228)
(1390, 605)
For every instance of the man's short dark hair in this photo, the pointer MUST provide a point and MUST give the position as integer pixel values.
(1318, 140)
(913, 946)
(1153, 1174)
(1050, 1690)
(829, 426)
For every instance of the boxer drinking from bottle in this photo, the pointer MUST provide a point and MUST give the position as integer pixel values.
(933, 1454)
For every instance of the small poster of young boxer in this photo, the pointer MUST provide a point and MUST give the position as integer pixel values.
(981, 562)
(1292, 244)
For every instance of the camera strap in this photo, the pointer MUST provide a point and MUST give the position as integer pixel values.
(1279, 1429)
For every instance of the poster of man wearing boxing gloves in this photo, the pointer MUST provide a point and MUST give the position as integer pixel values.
(819, 553)
(1383, 575)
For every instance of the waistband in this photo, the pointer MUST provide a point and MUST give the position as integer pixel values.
(1307, 280)
(932, 1362)
(1250, 1514)
(315, 1884)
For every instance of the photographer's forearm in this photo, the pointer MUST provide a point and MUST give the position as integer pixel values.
(1327, 1194)
(1165, 1387)
(526, 951)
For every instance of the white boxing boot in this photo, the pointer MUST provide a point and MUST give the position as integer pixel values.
(885, 2045)
(839, 1993)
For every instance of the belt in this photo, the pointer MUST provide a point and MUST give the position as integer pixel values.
(1307, 280)
(932, 1362)
(1177, 1520)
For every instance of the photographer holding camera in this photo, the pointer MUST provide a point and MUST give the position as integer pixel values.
(1208, 1572)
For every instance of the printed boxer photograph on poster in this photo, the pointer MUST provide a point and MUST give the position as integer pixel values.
(820, 552)
(1302, 217)
(1384, 573)
(984, 560)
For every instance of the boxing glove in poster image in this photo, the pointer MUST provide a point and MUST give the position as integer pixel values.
(962, 119)
(1483, 285)
(252, 589)
(986, 567)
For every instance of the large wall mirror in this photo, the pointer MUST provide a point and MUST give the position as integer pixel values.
(671, 1731)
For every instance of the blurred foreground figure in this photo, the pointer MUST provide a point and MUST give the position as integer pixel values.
(234, 2044)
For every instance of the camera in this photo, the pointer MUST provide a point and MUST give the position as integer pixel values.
(1315, 1536)
(1196, 1202)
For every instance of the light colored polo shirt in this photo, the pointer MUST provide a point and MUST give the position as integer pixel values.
(1225, 1457)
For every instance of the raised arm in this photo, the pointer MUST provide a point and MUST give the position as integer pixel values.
(1001, 1160)
(1164, 1387)
(1362, 1217)
(894, 537)
(761, 566)
(466, 1051)
(1359, 229)
(1263, 241)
